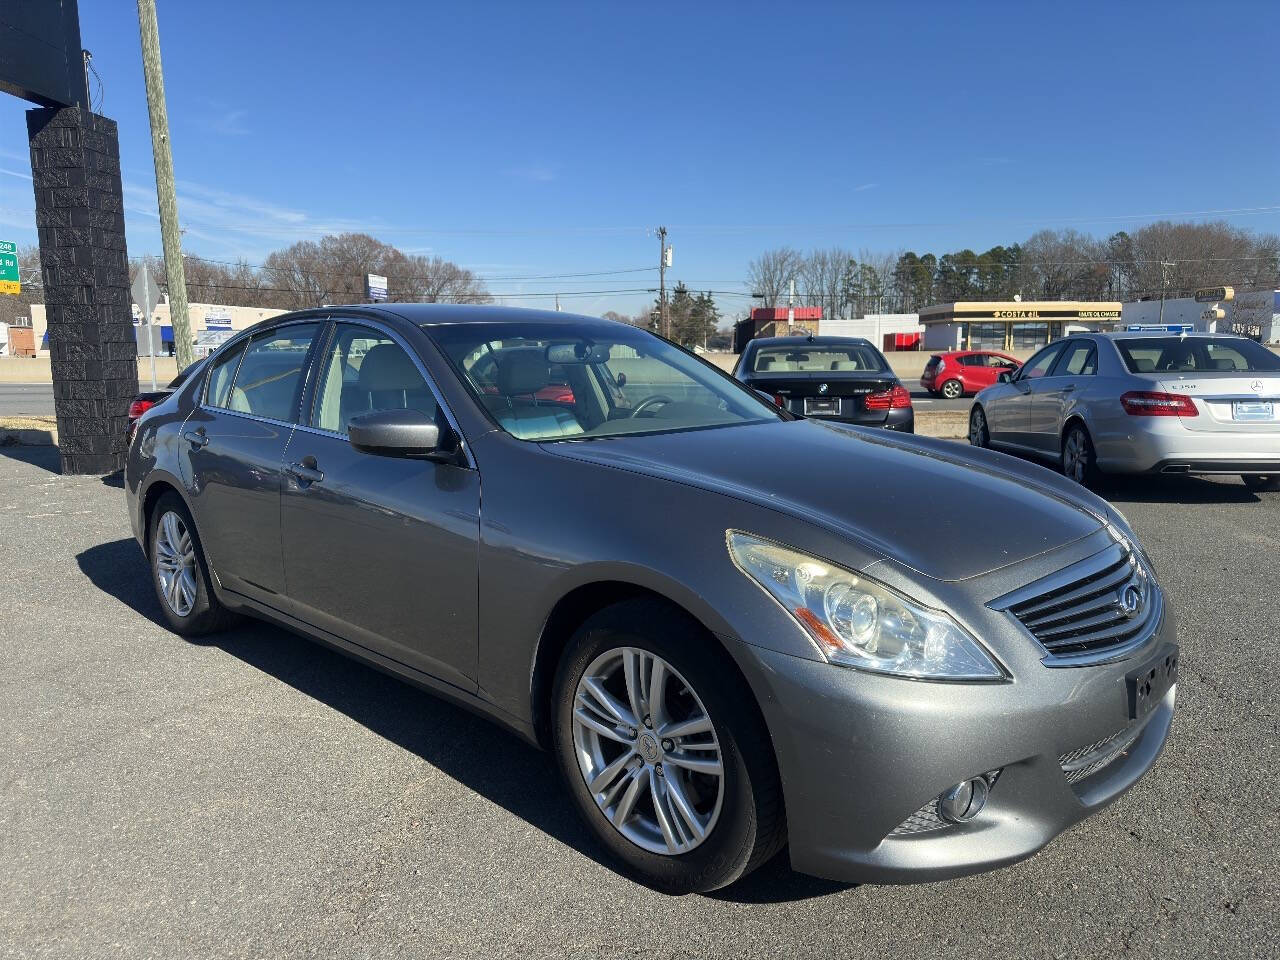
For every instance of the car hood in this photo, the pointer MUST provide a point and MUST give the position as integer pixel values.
(946, 511)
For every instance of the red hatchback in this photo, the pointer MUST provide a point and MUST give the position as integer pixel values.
(962, 372)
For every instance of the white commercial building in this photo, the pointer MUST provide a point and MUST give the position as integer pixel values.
(874, 326)
(1255, 314)
(202, 316)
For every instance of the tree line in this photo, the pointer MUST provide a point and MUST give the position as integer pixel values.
(692, 318)
(1166, 258)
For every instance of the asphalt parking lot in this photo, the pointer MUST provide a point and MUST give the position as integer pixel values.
(257, 795)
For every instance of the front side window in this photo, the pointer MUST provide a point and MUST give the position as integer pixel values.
(553, 381)
(817, 358)
(363, 371)
(269, 380)
(1196, 355)
(1039, 365)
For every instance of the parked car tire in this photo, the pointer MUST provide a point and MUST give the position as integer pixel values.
(678, 829)
(979, 434)
(1262, 482)
(953, 389)
(1079, 461)
(179, 571)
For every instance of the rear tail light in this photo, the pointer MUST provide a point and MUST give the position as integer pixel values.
(780, 400)
(1150, 403)
(895, 399)
(139, 407)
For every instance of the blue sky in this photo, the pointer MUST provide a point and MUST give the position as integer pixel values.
(525, 139)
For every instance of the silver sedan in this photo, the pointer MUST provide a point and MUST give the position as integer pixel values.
(1141, 402)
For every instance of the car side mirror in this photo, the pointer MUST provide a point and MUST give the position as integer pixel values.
(621, 379)
(395, 433)
(1005, 377)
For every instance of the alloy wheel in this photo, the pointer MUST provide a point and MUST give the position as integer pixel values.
(977, 427)
(176, 564)
(1075, 456)
(647, 751)
(952, 389)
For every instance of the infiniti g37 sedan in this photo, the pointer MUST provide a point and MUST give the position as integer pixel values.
(727, 622)
(1141, 402)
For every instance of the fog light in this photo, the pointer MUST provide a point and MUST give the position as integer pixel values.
(964, 801)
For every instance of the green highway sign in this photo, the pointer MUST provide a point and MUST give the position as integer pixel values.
(9, 268)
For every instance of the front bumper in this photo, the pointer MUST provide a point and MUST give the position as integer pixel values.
(861, 754)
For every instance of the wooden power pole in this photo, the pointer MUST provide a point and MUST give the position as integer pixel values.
(166, 194)
(663, 325)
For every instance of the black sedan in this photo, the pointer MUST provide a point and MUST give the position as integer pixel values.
(835, 378)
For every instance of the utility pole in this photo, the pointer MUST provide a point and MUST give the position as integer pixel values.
(166, 195)
(1164, 282)
(791, 307)
(663, 255)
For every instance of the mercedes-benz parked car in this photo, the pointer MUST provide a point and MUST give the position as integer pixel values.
(731, 625)
(835, 378)
(960, 373)
(1141, 402)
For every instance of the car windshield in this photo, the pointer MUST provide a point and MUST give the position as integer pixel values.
(553, 381)
(1196, 355)
(815, 358)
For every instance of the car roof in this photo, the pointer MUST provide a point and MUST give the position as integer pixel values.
(1195, 334)
(813, 341)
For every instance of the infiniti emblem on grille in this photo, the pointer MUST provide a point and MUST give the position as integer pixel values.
(1130, 601)
(822, 388)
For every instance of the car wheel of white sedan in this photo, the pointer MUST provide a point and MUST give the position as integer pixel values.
(669, 766)
(1079, 462)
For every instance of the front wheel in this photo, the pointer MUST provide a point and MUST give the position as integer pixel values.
(662, 750)
(979, 435)
(1262, 482)
(1079, 462)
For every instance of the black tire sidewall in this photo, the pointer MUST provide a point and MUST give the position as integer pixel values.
(984, 436)
(725, 854)
(197, 621)
(1090, 456)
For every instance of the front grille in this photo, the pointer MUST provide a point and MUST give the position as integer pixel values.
(1102, 605)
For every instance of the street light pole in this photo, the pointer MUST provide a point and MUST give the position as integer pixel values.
(166, 194)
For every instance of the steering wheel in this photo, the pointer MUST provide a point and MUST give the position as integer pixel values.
(648, 402)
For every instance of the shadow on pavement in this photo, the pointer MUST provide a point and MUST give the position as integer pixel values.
(45, 456)
(1174, 490)
(114, 480)
(468, 748)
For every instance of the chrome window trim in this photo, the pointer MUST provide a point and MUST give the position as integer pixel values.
(384, 328)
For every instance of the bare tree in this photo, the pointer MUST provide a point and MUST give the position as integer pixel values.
(772, 272)
(822, 276)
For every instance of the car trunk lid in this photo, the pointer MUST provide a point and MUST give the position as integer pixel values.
(833, 394)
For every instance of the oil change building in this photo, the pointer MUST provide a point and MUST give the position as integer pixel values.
(1012, 325)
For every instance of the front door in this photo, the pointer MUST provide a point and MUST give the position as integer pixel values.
(234, 445)
(1051, 394)
(380, 550)
(1010, 420)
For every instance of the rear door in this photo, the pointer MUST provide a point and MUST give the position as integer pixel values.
(380, 550)
(234, 444)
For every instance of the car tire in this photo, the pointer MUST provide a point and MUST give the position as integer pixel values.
(979, 433)
(1262, 482)
(1079, 461)
(740, 809)
(180, 573)
(953, 390)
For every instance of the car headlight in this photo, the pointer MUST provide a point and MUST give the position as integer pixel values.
(859, 622)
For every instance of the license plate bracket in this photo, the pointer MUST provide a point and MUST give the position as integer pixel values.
(1252, 410)
(815, 407)
(1149, 683)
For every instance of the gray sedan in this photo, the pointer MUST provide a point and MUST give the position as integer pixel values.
(730, 625)
(1141, 402)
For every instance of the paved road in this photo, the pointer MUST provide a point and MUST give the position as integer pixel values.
(923, 401)
(26, 399)
(256, 795)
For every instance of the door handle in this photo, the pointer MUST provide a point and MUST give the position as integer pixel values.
(196, 437)
(306, 471)
(1068, 388)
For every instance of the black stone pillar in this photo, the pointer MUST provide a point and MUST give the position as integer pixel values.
(75, 166)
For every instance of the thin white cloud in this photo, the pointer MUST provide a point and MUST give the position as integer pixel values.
(865, 186)
(16, 173)
(230, 123)
(535, 172)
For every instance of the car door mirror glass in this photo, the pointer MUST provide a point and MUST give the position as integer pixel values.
(1006, 376)
(395, 433)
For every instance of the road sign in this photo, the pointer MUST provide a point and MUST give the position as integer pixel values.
(9, 280)
(375, 287)
(1215, 294)
(217, 320)
(145, 292)
(1214, 313)
(1160, 327)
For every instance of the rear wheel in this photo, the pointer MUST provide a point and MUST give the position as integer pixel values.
(180, 573)
(662, 751)
(1079, 462)
(1262, 481)
(953, 390)
(979, 435)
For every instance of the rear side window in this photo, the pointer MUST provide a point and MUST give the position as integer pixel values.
(269, 380)
(816, 358)
(221, 375)
(1078, 359)
(1196, 355)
